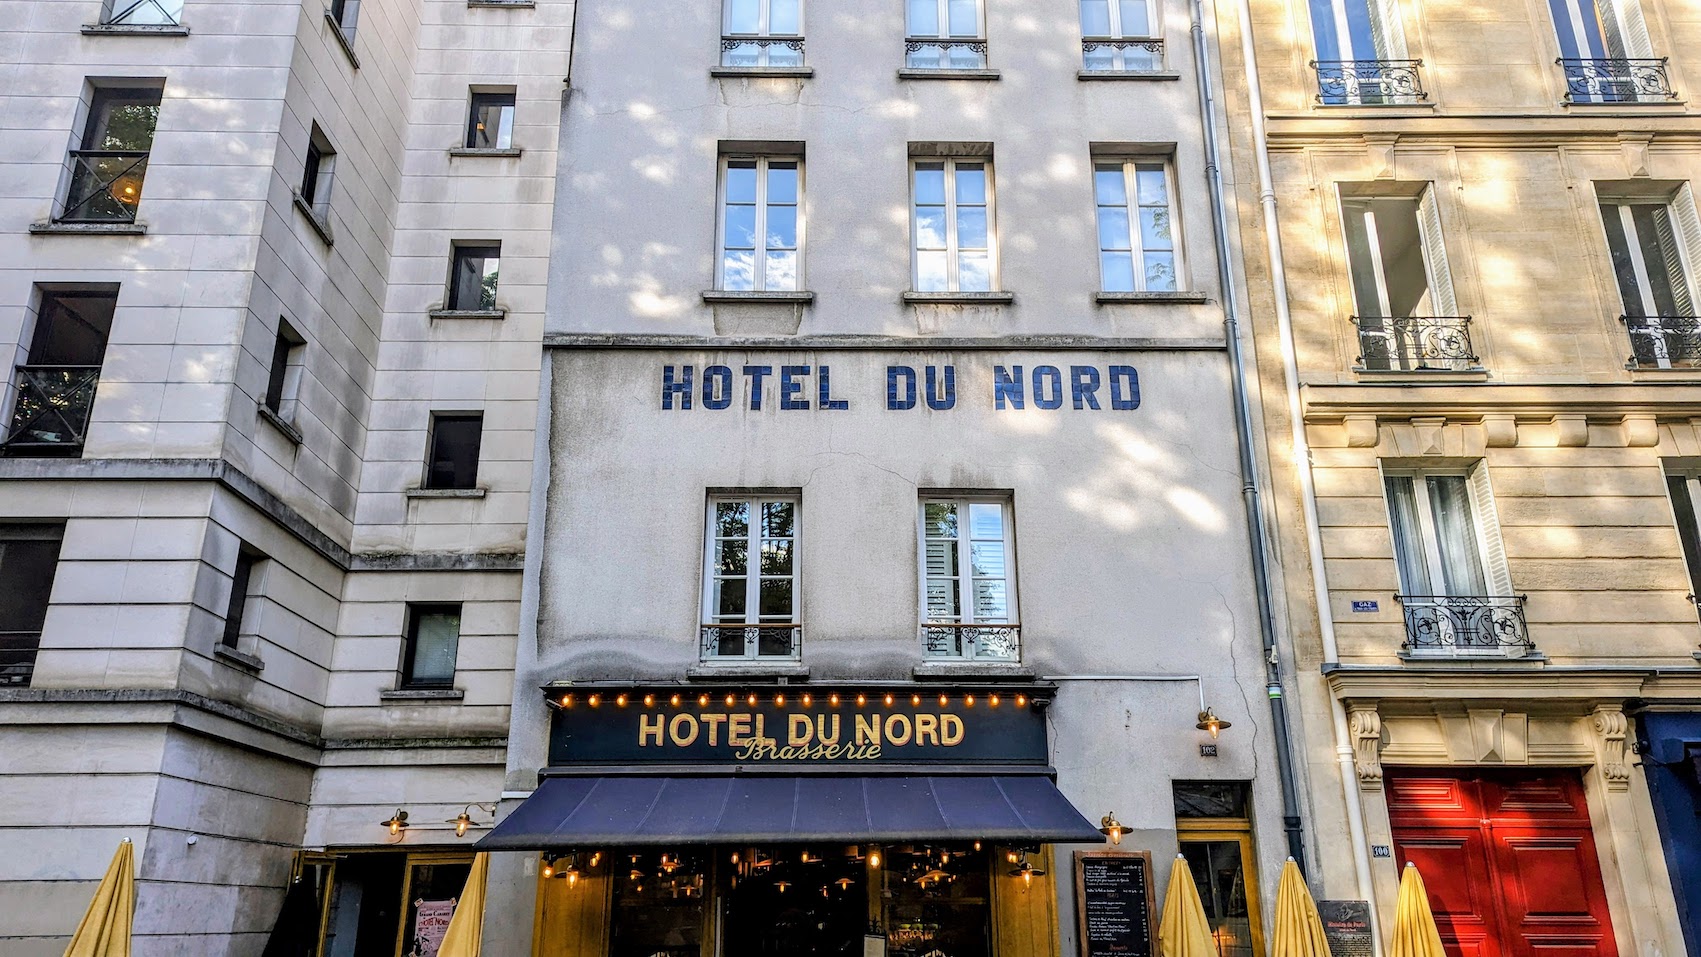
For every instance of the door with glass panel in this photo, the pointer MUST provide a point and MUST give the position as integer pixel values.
(1454, 589)
(1654, 279)
(1215, 836)
(1361, 53)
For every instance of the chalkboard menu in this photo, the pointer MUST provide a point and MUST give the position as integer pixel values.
(1113, 898)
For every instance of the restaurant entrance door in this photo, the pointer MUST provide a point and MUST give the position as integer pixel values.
(816, 909)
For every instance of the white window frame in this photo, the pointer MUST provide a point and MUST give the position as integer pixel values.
(760, 266)
(1686, 234)
(965, 577)
(945, 23)
(1130, 168)
(753, 577)
(764, 30)
(1119, 34)
(1490, 551)
(1437, 274)
(953, 271)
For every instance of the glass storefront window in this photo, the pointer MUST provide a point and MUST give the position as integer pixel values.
(658, 904)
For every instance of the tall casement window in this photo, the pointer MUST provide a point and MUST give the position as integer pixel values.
(29, 556)
(1402, 287)
(968, 560)
(283, 378)
(318, 167)
(55, 386)
(430, 646)
(143, 13)
(490, 120)
(1655, 246)
(244, 586)
(1361, 54)
(762, 33)
(1454, 586)
(1120, 36)
(111, 160)
(1605, 52)
(452, 450)
(750, 597)
(1137, 235)
(346, 15)
(1685, 489)
(472, 277)
(761, 234)
(945, 35)
(952, 225)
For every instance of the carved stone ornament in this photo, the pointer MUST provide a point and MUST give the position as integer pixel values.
(1366, 728)
(1610, 728)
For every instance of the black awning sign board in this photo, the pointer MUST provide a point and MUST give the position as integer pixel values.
(1114, 903)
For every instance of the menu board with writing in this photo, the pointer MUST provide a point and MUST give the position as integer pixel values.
(1113, 900)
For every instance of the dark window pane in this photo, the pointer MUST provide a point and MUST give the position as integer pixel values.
(122, 119)
(28, 557)
(1687, 530)
(71, 328)
(491, 125)
(453, 461)
(732, 519)
(434, 635)
(1210, 799)
(472, 282)
(238, 606)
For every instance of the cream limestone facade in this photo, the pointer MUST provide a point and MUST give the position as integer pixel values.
(1563, 444)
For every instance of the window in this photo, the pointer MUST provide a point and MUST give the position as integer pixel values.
(761, 226)
(1137, 249)
(968, 578)
(241, 589)
(29, 555)
(1605, 52)
(952, 226)
(750, 578)
(144, 13)
(1214, 832)
(490, 121)
(56, 386)
(1118, 36)
(453, 457)
(1361, 53)
(757, 33)
(316, 173)
(1454, 586)
(1401, 284)
(472, 278)
(346, 14)
(112, 159)
(1685, 489)
(433, 640)
(945, 35)
(283, 381)
(1654, 246)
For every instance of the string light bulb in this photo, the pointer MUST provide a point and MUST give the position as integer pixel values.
(915, 699)
(992, 700)
(675, 701)
(649, 701)
(835, 700)
(888, 701)
(806, 700)
(729, 700)
(780, 700)
(943, 700)
(566, 701)
(861, 700)
(594, 700)
(968, 701)
(620, 700)
(702, 701)
(1021, 701)
(751, 700)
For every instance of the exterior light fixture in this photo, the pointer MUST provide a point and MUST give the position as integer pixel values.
(1208, 721)
(834, 700)
(649, 701)
(861, 700)
(674, 701)
(1021, 701)
(594, 700)
(943, 700)
(968, 701)
(462, 821)
(567, 701)
(572, 871)
(1025, 870)
(620, 700)
(1110, 826)
(729, 700)
(702, 701)
(548, 866)
(806, 700)
(779, 700)
(781, 886)
(977, 845)
(873, 858)
(992, 700)
(844, 883)
(915, 699)
(397, 823)
(1012, 856)
(888, 701)
(751, 701)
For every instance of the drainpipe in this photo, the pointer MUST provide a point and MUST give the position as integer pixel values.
(1301, 450)
(1292, 823)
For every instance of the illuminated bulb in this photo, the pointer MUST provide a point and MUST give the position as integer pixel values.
(675, 701)
(572, 877)
(649, 701)
(729, 700)
(993, 701)
(1027, 877)
(620, 700)
(735, 857)
(968, 701)
(977, 845)
(1021, 701)
(806, 700)
(861, 700)
(594, 700)
(596, 858)
(780, 700)
(888, 701)
(461, 822)
(942, 700)
(782, 885)
(567, 702)
(1010, 856)
(548, 869)
(915, 699)
(751, 700)
(835, 700)
(873, 858)
(702, 701)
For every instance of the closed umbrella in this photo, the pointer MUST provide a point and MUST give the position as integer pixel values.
(466, 925)
(1299, 929)
(1415, 934)
(105, 929)
(1184, 931)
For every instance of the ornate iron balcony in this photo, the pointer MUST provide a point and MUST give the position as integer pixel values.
(106, 186)
(51, 417)
(987, 642)
(761, 51)
(1368, 82)
(1616, 81)
(1465, 625)
(1415, 343)
(750, 642)
(17, 657)
(944, 53)
(1122, 54)
(1664, 342)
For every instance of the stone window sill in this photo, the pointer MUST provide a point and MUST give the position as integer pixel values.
(468, 314)
(721, 295)
(1128, 74)
(973, 669)
(518, 4)
(1530, 659)
(1633, 104)
(405, 695)
(1477, 374)
(343, 39)
(447, 492)
(237, 659)
(909, 73)
(88, 229)
(747, 668)
(321, 224)
(280, 423)
(468, 152)
(972, 298)
(135, 30)
(762, 71)
(1183, 296)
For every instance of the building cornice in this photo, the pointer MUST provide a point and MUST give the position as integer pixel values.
(1674, 400)
(1484, 131)
(1058, 343)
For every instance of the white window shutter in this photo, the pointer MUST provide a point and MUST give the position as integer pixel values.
(1435, 255)
(1488, 533)
(1632, 29)
(1385, 29)
(1688, 224)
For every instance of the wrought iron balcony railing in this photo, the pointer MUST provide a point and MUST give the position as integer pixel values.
(1122, 54)
(51, 414)
(1368, 82)
(17, 657)
(1465, 625)
(944, 53)
(731, 642)
(1616, 81)
(1415, 343)
(747, 51)
(982, 642)
(1664, 342)
(106, 186)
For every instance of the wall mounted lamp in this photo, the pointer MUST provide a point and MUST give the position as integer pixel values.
(1111, 827)
(397, 823)
(1208, 721)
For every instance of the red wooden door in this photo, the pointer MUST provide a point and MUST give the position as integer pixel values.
(1508, 858)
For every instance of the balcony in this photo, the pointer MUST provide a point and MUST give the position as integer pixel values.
(944, 53)
(1122, 55)
(740, 642)
(1616, 81)
(751, 52)
(106, 186)
(1465, 626)
(984, 642)
(17, 657)
(1664, 342)
(1368, 82)
(51, 417)
(1415, 344)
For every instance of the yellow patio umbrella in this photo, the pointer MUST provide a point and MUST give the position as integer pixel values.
(1415, 934)
(105, 929)
(466, 926)
(1299, 929)
(1184, 930)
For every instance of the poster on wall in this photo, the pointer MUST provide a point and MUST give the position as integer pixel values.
(430, 926)
(1114, 903)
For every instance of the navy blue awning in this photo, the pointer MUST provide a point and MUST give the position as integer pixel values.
(638, 810)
